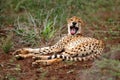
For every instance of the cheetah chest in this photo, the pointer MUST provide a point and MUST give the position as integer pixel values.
(76, 42)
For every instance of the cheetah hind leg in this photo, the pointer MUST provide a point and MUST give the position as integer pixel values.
(43, 59)
(40, 57)
(46, 62)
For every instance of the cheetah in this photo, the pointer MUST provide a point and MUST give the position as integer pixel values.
(72, 47)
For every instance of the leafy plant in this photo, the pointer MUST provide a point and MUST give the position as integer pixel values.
(43, 75)
(9, 77)
(48, 31)
(7, 44)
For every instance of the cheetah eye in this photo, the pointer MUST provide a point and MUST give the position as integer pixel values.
(71, 19)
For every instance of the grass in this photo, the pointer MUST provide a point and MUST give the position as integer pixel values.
(106, 69)
(43, 75)
(7, 43)
(48, 31)
(111, 66)
(36, 21)
(38, 15)
(9, 77)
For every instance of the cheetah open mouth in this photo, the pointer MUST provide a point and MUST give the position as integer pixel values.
(73, 30)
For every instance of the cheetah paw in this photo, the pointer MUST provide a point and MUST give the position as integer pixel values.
(40, 62)
(18, 57)
(36, 58)
(21, 51)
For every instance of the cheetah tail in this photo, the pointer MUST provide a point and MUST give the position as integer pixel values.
(67, 58)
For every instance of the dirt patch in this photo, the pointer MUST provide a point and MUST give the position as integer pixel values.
(22, 69)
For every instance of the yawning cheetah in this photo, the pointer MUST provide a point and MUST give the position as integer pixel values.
(73, 47)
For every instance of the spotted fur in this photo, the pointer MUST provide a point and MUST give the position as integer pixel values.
(73, 47)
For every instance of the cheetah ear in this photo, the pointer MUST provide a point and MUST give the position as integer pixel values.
(82, 22)
(68, 18)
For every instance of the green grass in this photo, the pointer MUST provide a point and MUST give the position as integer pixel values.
(9, 77)
(7, 43)
(62, 9)
(36, 21)
(48, 31)
(111, 66)
(43, 75)
(36, 13)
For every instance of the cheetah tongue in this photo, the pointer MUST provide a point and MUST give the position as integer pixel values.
(73, 31)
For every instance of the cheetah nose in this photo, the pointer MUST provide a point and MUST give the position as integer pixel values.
(74, 23)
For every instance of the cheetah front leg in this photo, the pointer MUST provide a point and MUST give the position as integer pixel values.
(30, 52)
(25, 53)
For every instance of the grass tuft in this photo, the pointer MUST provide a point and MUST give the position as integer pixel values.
(7, 44)
(48, 31)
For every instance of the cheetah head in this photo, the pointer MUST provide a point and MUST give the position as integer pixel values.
(74, 25)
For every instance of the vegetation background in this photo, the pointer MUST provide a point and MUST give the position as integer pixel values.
(38, 23)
